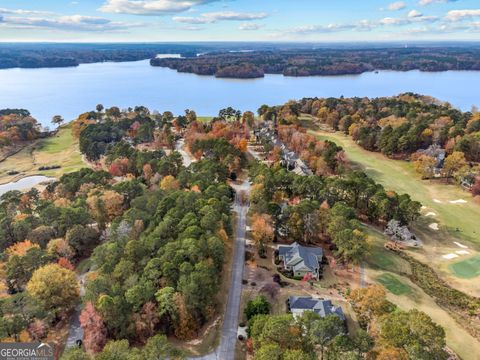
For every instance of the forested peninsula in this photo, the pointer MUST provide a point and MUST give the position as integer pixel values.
(296, 62)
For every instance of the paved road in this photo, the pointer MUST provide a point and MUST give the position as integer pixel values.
(76, 331)
(187, 159)
(226, 349)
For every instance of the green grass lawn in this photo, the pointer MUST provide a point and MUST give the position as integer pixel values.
(393, 285)
(466, 269)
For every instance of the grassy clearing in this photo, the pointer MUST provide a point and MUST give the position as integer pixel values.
(62, 150)
(393, 285)
(204, 119)
(466, 269)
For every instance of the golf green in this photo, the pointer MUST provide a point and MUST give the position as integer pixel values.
(466, 269)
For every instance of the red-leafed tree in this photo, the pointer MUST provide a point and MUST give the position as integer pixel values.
(95, 332)
(64, 262)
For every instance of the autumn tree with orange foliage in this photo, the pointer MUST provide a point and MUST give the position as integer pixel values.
(21, 248)
(370, 303)
(65, 263)
(81, 123)
(105, 206)
(262, 230)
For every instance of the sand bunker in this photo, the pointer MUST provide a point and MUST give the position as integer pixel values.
(450, 256)
(423, 207)
(437, 201)
(431, 214)
(459, 201)
(460, 245)
(462, 252)
(433, 226)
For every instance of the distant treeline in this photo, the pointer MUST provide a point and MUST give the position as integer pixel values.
(296, 62)
(65, 55)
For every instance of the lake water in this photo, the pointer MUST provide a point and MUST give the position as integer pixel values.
(71, 91)
(23, 184)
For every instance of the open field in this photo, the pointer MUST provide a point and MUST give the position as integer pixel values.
(62, 150)
(448, 227)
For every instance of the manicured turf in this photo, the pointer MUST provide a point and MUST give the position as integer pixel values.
(393, 285)
(466, 269)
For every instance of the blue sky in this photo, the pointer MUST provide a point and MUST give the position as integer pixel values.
(238, 20)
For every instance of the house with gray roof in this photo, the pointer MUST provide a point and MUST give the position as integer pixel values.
(297, 305)
(301, 260)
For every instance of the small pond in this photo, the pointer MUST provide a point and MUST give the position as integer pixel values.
(23, 184)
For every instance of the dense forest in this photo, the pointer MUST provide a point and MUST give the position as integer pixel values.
(310, 62)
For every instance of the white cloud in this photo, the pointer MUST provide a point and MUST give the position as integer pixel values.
(411, 19)
(397, 6)
(250, 26)
(149, 7)
(192, 28)
(414, 14)
(192, 20)
(23, 12)
(67, 23)
(457, 15)
(364, 25)
(429, 2)
(208, 18)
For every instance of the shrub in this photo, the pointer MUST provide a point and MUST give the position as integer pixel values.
(257, 306)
